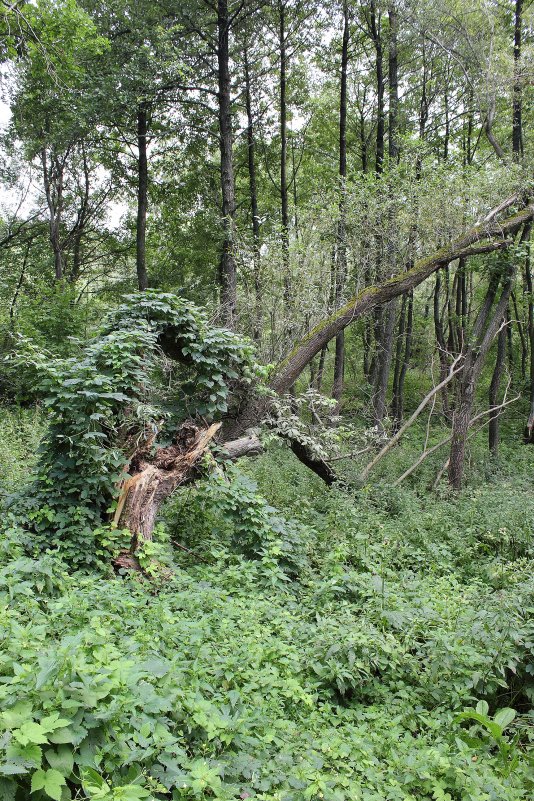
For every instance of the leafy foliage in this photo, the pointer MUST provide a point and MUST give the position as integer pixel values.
(334, 648)
(104, 398)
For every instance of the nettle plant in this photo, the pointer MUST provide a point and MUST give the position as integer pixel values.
(156, 363)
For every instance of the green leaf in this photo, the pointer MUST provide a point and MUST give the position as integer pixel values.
(51, 781)
(61, 759)
(132, 792)
(66, 735)
(7, 790)
(482, 708)
(94, 784)
(494, 729)
(30, 732)
(12, 768)
(17, 714)
(504, 717)
(53, 722)
(28, 754)
(38, 780)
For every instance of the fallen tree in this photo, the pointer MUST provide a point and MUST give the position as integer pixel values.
(116, 442)
(490, 235)
(471, 243)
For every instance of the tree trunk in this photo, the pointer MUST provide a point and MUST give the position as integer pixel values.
(341, 254)
(520, 331)
(471, 242)
(373, 296)
(156, 475)
(475, 355)
(517, 135)
(461, 421)
(395, 402)
(251, 151)
(493, 432)
(442, 346)
(393, 75)
(386, 339)
(284, 194)
(79, 228)
(142, 195)
(227, 266)
(379, 72)
(529, 431)
(53, 186)
(399, 407)
(385, 354)
(320, 370)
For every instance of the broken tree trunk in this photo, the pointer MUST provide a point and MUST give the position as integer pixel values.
(155, 475)
(153, 478)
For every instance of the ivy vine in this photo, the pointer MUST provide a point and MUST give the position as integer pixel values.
(156, 362)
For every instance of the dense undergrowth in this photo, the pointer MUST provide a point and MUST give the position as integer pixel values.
(307, 643)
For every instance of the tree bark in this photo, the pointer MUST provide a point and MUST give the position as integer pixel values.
(520, 331)
(284, 193)
(227, 266)
(488, 129)
(493, 431)
(471, 242)
(393, 75)
(154, 476)
(341, 250)
(475, 356)
(256, 256)
(142, 195)
(517, 134)
(384, 358)
(374, 28)
(53, 185)
(440, 340)
(398, 396)
(81, 221)
(386, 339)
(529, 430)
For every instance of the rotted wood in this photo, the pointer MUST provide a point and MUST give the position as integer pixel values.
(249, 445)
(154, 475)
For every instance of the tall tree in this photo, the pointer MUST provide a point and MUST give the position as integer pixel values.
(517, 105)
(341, 249)
(227, 266)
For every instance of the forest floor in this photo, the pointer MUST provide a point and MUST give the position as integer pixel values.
(302, 643)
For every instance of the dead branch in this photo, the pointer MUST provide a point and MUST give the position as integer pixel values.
(426, 453)
(454, 369)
